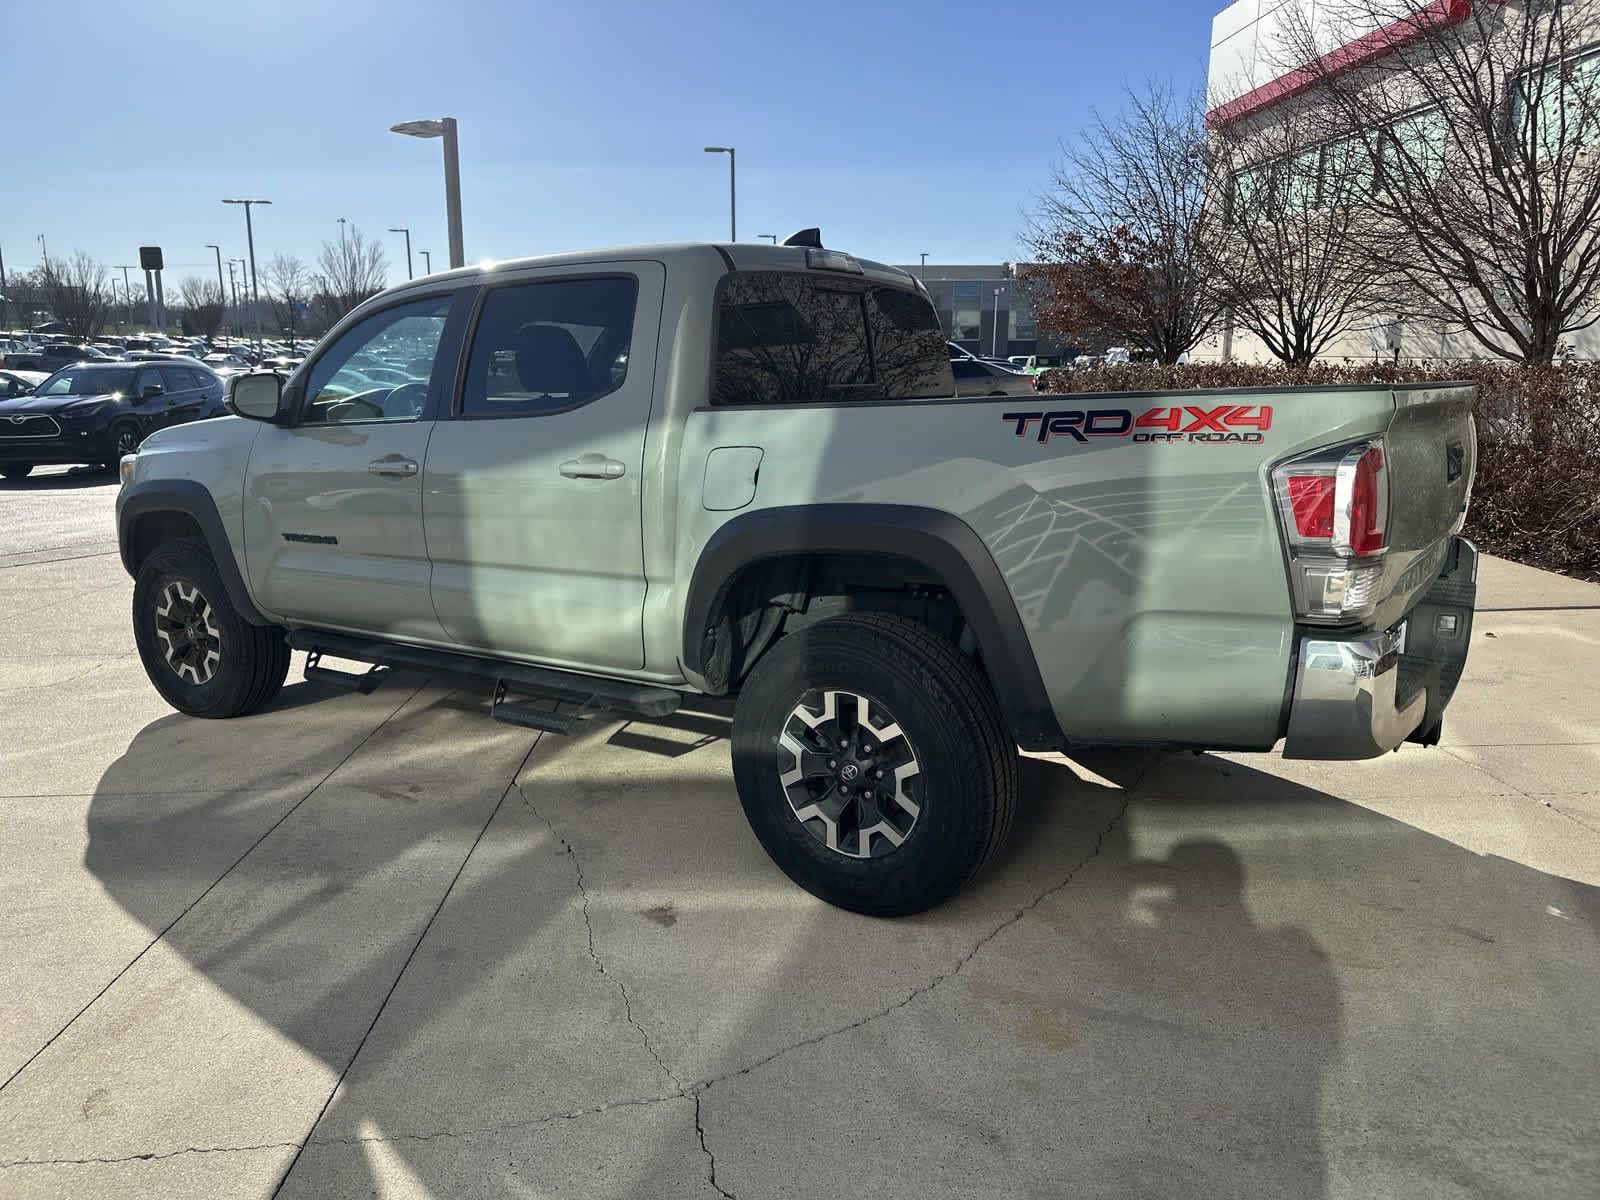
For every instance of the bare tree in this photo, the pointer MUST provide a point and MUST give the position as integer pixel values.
(203, 304)
(349, 271)
(289, 286)
(1121, 231)
(78, 291)
(1294, 258)
(1481, 127)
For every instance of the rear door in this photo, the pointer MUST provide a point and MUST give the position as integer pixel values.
(185, 401)
(533, 486)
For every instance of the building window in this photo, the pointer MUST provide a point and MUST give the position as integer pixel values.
(1565, 106)
(1023, 328)
(967, 314)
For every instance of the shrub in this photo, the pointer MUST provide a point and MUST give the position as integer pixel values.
(1537, 494)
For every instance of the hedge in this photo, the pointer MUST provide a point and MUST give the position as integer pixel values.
(1537, 494)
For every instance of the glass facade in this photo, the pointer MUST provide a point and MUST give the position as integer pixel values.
(970, 312)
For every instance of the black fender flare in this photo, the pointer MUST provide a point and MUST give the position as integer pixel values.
(193, 500)
(939, 541)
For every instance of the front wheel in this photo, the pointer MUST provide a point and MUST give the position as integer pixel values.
(873, 764)
(202, 656)
(16, 470)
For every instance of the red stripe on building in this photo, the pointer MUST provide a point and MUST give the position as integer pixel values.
(1439, 14)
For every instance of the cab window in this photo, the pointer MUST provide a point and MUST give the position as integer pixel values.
(792, 337)
(550, 346)
(380, 369)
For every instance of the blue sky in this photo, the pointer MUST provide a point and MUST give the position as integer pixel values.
(897, 127)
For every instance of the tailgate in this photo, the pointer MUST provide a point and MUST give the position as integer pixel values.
(1431, 449)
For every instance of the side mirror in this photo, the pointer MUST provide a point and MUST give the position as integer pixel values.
(257, 395)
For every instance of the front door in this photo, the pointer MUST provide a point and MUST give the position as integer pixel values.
(533, 486)
(333, 503)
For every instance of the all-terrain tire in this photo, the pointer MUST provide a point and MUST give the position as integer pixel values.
(967, 780)
(252, 660)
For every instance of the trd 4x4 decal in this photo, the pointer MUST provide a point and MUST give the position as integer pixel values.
(1179, 423)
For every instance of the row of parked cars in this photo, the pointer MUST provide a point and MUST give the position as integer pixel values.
(69, 402)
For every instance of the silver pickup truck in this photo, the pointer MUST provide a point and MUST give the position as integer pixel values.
(620, 478)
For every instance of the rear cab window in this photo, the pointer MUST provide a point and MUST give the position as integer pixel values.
(805, 337)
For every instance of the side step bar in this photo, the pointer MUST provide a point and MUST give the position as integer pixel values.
(590, 692)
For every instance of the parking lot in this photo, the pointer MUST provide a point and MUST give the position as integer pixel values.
(382, 945)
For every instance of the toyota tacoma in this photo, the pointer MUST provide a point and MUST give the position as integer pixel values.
(622, 478)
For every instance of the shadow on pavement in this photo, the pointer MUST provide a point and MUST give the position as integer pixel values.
(1223, 989)
(77, 477)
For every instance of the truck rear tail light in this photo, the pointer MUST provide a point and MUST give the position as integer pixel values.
(1335, 509)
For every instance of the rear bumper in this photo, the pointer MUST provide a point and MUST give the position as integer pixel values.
(1361, 695)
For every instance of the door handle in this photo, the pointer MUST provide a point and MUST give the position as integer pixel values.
(400, 468)
(593, 466)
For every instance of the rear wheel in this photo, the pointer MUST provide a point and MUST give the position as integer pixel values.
(16, 470)
(873, 764)
(201, 655)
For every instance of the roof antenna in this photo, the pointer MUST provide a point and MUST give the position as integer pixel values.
(806, 237)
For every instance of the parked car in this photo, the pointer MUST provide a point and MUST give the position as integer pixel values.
(19, 383)
(977, 377)
(742, 467)
(97, 413)
(54, 355)
(225, 363)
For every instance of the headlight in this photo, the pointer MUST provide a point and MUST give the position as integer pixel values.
(79, 413)
(125, 468)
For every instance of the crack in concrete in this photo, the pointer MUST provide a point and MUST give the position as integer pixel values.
(149, 1156)
(711, 1158)
(588, 925)
(944, 976)
(575, 1114)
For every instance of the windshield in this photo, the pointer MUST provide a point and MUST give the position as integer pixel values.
(87, 381)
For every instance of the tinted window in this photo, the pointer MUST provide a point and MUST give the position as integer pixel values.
(402, 340)
(968, 368)
(87, 381)
(544, 347)
(177, 379)
(793, 338)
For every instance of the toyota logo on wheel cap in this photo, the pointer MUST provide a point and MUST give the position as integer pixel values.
(849, 771)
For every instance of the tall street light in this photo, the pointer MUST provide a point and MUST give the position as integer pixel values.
(250, 238)
(771, 237)
(222, 295)
(923, 272)
(407, 232)
(427, 261)
(44, 252)
(733, 191)
(341, 233)
(444, 127)
(127, 292)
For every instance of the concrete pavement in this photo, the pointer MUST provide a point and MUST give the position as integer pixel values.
(382, 945)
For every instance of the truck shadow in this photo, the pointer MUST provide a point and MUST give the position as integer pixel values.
(1183, 1009)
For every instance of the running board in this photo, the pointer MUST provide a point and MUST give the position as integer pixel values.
(587, 691)
(347, 681)
(514, 712)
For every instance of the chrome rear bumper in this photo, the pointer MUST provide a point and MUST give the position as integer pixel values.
(1349, 701)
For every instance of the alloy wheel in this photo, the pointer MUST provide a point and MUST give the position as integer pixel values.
(190, 638)
(852, 778)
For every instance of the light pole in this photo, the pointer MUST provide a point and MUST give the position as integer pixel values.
(127, 291)
(771, 237)
(407, 232)
(44, 252)
(427, 261)
(444, 127)
(222, 296)
(250, 238)
(923, 270)
(233, 286)
(994, 340)
(341, 233)
(733, 191)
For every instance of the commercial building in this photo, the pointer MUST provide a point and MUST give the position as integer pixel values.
(984, 308)
(1257, 77)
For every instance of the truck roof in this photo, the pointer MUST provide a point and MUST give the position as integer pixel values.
(742, 256)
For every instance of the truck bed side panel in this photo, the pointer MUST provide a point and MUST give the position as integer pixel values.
(1149, 575)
